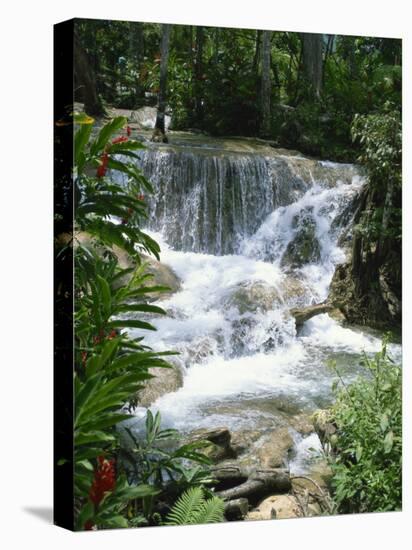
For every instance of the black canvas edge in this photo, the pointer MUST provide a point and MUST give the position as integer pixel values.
(63, 489)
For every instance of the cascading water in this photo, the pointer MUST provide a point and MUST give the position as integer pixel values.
(251, 232)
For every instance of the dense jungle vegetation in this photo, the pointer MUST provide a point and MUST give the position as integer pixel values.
(332, 97)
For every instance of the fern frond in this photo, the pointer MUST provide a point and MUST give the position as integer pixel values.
(186, 508)
(211, 511)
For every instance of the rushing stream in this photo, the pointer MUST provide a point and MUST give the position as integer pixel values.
(251, 232)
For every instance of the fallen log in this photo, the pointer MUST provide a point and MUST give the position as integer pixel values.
(237, 509)
(229, 473)
(259, 484)
(303, 314)
(228, 476)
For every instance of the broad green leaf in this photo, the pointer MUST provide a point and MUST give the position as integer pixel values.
(388, 442)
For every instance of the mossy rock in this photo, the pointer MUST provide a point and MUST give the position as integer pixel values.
(254, 296)
(304, 248)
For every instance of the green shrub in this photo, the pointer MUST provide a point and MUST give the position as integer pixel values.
(367, 446)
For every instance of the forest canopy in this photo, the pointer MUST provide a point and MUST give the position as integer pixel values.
(301, 90)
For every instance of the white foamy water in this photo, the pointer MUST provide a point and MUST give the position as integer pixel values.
(243, 361)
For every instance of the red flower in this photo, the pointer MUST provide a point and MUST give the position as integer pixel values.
(102, 169)
(112, 335)
(140, 197)
(89, 525)
(120, 140)
(128, 131)
(104, 480)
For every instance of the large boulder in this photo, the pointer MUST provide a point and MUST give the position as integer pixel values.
(163, 275)
(250, 297)
(165, 381)
(276, 507)
(145, 118)
(294, 291)
(274, 449)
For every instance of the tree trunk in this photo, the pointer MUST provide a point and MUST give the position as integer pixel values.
(136, 42)
(85, 78)
(199, 75)
(164, 60)
(259, 485)
(136, 53)
(312, 61)
(265, 85)
(257, 51)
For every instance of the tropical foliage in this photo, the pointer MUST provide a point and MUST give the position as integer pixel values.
(193, 507)
(366, 448)
(110, 367)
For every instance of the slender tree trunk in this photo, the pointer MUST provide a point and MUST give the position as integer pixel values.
(312, 61)
(257, 51)
(265, 85)
(198, 75)
(136, 53)
(85, 78)
(328, 52)
(164, 60)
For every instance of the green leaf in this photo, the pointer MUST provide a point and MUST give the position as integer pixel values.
(131, 323)
(388, 442)
(115, 522)
(384, 422)
(105, 134)
(86, 513)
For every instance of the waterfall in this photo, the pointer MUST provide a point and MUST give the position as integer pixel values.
(211, 201)
(251, 232)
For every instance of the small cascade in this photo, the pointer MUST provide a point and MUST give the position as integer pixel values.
(251, 232)
(211, 200)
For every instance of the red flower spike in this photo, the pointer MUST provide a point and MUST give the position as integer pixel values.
(88, 526)
(120, 139)
(102, 169)
(104, 480)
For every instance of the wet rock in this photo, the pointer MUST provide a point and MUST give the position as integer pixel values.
(166, 380)
(244, 440)
(304, 248)
(294, 291)
(276, 507)
(273, 450)
(145, 118)
(220, 447)
(254, 296)
(302, 423)
(237, 509)
(163, 275)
